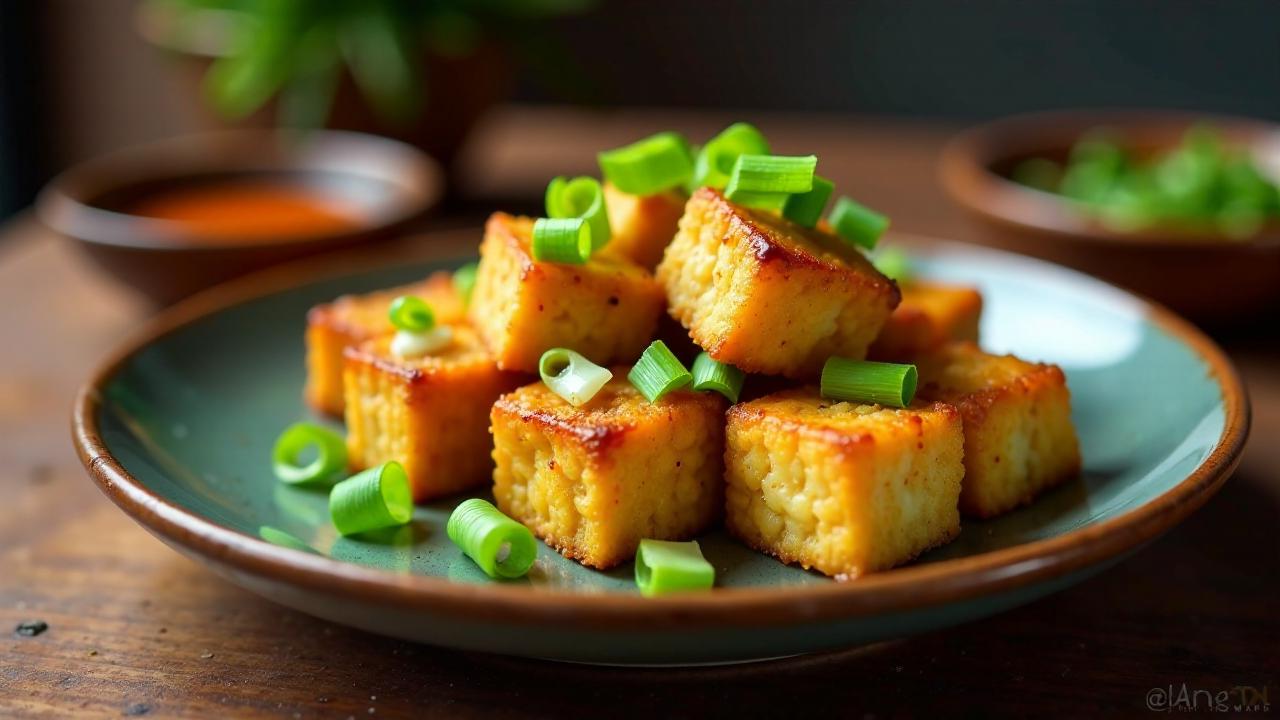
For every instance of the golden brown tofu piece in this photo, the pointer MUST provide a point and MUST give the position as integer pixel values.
(593, 481)
(930, 315)
(1019, 440)
(642, 225)
(605, 309)
(842, 488)
(352, 319)
(430, 413)
(769, 296)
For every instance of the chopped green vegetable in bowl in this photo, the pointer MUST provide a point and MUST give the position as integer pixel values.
(1200, 182)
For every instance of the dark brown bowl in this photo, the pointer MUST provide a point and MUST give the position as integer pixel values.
(389, 184)
(1205, 276)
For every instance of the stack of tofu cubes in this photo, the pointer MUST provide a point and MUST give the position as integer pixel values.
(842, 488)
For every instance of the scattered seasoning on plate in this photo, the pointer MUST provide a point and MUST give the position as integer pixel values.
(30, 628)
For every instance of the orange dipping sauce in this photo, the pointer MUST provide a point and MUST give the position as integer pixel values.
(236, 210)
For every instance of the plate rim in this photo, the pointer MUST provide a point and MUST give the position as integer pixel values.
(899, 590)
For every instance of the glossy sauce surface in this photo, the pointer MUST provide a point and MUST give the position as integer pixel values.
(235, 210)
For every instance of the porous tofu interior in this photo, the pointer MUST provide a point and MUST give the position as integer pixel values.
(605, 309)
(767, 295)
(1019, 438)
(593, 481)
(428, 413)
(840, 487)
(642, 225)
(352, 319)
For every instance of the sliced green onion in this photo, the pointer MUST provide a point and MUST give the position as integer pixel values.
(572, 376)
(371, 500)
(893, 264)
(276, 536)
(709, 374)
(407, 344)
(648, 166)
(806, 208)
(665, 567)
(774, 202)
(411, 313)
(658, 372)
(715, 161)
(464, 280)
(755, 174)
(331, 454)
(864, 381)
(562, 240)
(502, 547)
(580, 197)
(856, 223)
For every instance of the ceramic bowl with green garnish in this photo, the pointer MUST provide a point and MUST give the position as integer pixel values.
(1180, 207)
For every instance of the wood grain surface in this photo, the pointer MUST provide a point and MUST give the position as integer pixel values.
(134, 629)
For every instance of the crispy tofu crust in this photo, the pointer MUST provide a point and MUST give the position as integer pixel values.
(431, 413)
(767, 295)
(593, 481)
(1019, 439)
(352, 319)
(841, 488)
(605, 309)
(929, 316)
(642, 225)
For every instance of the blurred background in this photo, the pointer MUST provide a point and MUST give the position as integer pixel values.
(500, 95)
(81, 78)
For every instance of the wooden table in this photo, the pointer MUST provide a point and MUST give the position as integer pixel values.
(135, 629)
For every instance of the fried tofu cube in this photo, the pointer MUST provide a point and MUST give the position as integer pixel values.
(769, 296)
(352, 319)
(930, 315)
(605, 309)
(1019, 440)
(642, 225)
(842, 488)
(593, 481)
(430, 413)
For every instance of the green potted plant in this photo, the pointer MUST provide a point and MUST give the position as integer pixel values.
(423, 71)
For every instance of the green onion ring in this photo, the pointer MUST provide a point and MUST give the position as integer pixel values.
(331, 454)
(665, 567)
(411, 313)
(502, 547)
(371, 500)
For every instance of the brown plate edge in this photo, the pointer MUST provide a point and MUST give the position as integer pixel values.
(899, 590)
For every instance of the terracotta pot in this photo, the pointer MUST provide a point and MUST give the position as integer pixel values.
(458, 90)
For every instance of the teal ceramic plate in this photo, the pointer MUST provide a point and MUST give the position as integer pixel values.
(177, 429)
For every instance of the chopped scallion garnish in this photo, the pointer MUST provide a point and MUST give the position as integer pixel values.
(664, 567)
(562, 240)
(649, 166)
(411, 313)
(371, 500)
(709, 374)
(771, 174)
(330, 449)
(580, 197)
(502, 547)
(715, 161)
(864, 381)
(806, 208)
(893, 264)
(658, 372)
(464, 280)
(856, 223)
(572, 376)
